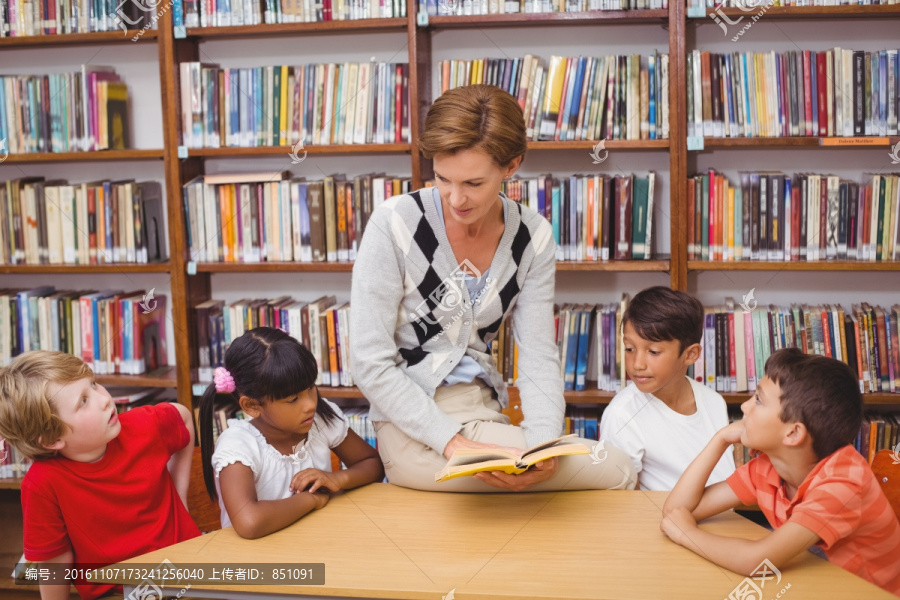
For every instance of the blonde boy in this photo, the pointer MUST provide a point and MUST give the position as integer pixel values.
(103, 487)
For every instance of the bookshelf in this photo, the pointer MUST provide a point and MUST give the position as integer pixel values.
(421, 50)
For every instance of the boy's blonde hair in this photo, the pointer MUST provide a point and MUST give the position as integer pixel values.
(28, 416)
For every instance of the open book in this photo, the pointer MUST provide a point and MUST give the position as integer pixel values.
(468, 461)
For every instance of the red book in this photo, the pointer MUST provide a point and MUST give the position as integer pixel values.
(821, 82)
(623, 220)
(826, 334)
(807, 94)
(795, 223)
(713, 209)
(326, 10)
(732, 359)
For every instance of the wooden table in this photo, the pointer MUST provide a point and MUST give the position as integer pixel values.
(383, 541)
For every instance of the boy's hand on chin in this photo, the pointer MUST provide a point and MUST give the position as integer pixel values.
(731, 433)
(678, 524)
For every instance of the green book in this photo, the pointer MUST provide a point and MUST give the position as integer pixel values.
(639, 220)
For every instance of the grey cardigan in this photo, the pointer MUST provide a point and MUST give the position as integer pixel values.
(411, 318)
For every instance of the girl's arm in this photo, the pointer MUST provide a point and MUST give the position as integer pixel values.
(54, 591)
(363, 466)
(253, 518)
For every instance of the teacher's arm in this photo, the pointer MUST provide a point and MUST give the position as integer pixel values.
(376, 297)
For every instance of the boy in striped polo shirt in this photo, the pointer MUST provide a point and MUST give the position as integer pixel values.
(809, 481)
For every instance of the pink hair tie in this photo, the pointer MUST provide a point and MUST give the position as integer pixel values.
(224, 381)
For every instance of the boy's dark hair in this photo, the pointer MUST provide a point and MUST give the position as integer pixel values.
(661, 314)
(820, 392)
(266, 364)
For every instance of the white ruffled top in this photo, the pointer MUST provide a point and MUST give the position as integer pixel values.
(243, 443)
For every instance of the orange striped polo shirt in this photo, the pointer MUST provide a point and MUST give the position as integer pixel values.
(840, 501)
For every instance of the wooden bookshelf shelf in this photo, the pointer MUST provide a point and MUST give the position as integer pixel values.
(610, 145)
(636, 266)
(784, 142)
(62, 269)
(164, 377)
(268, 30)
(10, 483)
(597, 17)
(275, 267)
(97, 156)
(809, 12)
(286, 150)
(72, 39)
(843, 265)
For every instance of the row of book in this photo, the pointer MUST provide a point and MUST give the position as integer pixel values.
(499, 7)
(101, 222)
(65, 112)
(737, 342)
(224, 13)
(322, 325)
(265, 217)
(23, 17)
(577, 98)
(838, 92)
(776, 217)
(333, 103)
(113, 331)
(593, 217)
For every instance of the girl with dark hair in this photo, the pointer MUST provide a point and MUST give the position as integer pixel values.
(269, 471)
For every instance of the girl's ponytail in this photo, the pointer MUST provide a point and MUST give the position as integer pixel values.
(207, 401)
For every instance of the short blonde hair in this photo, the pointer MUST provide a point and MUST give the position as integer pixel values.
(481, 117)
(28, 416)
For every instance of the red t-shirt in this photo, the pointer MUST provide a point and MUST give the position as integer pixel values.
(841, 502)
(119, 507)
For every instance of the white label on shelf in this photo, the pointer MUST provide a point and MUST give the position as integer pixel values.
(422, 18)
(180, 32)
(695, 142)
(199, 388)
(191, 268)
(182, 152)
(696, 12)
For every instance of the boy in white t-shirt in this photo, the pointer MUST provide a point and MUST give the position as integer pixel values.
(663, 419)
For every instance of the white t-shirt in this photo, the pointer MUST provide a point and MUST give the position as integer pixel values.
(243, 443)
(661, 442)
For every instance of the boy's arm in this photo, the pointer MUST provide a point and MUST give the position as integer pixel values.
(56, 591)
(180, 464)
(737, 554)
(691, 492)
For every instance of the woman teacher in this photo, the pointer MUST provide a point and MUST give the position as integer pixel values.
(437, 272)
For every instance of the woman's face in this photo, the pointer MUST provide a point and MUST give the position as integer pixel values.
(469, 184)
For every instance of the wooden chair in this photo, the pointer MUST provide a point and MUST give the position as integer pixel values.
(886, 467)
(203, 510)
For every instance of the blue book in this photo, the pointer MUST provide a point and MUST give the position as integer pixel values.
(584, 333)
(305, 226)
(572, 330)
(748, 111)
(233, 139)
(541, 199)
(574, 98)
(555, 219)
(178, 13)
(590, 428)
(813, 92)
(27, 334)
(259, 116)
(651, 109)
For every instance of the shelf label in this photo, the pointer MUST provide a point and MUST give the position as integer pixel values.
(199, 388)
(191, 268)
(696, 12)
(180, 32)
(422, 18)
(855, 141)
(695, 142)
(182, 152)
